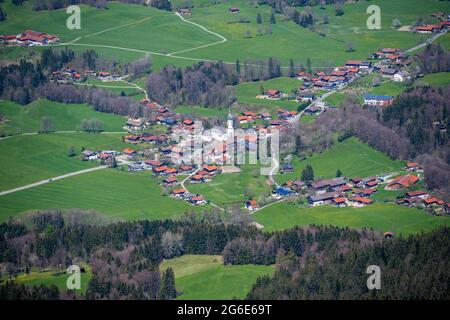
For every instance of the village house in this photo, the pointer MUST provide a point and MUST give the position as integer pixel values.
(170, 171)
(153, 163)
(170, 181)
(282, 192)
(361, 201)
(129, 152)
(89, 155)
(251, 205)
(135, 166)
(322, 198)
(103, 157)
(413, 167)
(136, 124)
(159, 170)
(378, 101)
(388, 73)
(329, 183)
(198, 178)
(403, 181)
(296, 185)
(273, 93)
(30, 38)
(196, 200)
(365, 192)
(287, 167)
(433, 201)
(428, 28)
(178, 193)
(306, 96)
(233, 10)
(417, 194)
(339, 202)
(401, 76)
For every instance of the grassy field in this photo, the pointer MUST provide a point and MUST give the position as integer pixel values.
(203, 111)
(27, 159)
(234, 187)
(441, 79)
(55, 277)
(379, 216)
(246, 93)
(116, 193)
(65, 117)
(200, 277)
(351, 156)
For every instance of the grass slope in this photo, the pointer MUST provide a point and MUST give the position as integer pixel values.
(234, 187)
(65, 117)
(246, 92)
(115, 193)
(54, 277)
(379, 216)
(27, 159)
(200, 277)
(352, 157)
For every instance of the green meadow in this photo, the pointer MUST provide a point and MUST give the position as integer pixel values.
(65, 117)
(441, 79)
(232, 188)
(246, 93)
(113, 192)
(378, 216)
(55, 277)
(203, 277)
(352, 157)
(198, 111)
(31, 158)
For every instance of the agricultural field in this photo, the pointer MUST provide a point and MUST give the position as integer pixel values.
(246, 93)
(31, 158)
(113, 192)
(352, 157)
(205, 277)
(55, 277)
(65, 117)
(203, 112)
(378, 216)
(231, 188)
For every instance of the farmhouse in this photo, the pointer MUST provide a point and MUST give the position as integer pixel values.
(417, 194)
(361, 201)
(401, 76)
(88, 154)
(284, 192)
(179, 193)
(413, 167)
(104, 156)
(322, 198)
(331, 183)
(159, 170)
(31, 37)
(339, 202)
(171, 181)
(273, 93)
(403, 181)
(198, 178)
(306, 96)
(129, 152)
(171, 171)
(197, 200)
(251, 205)
(374, 100)
(136, 124)
(153, 163)
(365, 192)
(388, 73)
(428, 28)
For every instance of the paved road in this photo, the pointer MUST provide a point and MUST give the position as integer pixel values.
(35, 184)
(426, 42)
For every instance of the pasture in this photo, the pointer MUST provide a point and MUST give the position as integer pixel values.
(246, 93)
(352, 157)
(230, 188)
(31, 158)
(202, 277)
(378, 216)
(55, 277)
(65, 117)
(113, 192)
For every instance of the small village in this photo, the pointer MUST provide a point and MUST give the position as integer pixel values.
(28, 38)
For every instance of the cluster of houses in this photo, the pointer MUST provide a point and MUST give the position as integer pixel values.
(442, 25)
(183, 194)
(68, 75)
(281, 116)
(101, 156)
(423, 199)
(28, 38)
(341, 191)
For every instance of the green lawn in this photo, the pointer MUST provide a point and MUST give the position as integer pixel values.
(28, 159)
(379, 216)
(388, 88)
(55, 277)
(200, 277)
(234, 187)
(65, 117)
(116, 193)
(352, 157)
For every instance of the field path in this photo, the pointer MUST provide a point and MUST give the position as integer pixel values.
(35, 184)
(426, 42)
(222, 38)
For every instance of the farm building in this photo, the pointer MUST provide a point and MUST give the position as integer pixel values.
(273, 93)
(378, 101)
(136, 124)
(336, 182)
(251, 205)
(89, 155)
(403, 181)
(322, 198)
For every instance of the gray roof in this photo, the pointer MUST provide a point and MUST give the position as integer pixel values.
(324, 196)
(329, 183)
